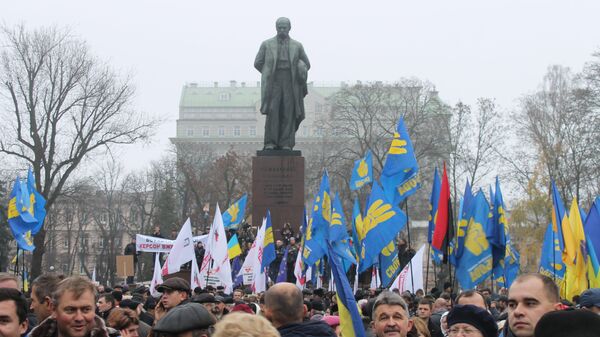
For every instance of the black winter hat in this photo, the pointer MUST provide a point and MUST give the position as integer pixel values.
(185, 317)
(572, 323)
(476, 316)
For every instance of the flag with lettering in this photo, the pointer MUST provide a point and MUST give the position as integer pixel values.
(362, 173)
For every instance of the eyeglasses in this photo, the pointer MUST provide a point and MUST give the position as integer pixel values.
(465, 332)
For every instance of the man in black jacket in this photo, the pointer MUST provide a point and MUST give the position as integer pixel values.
(284, 307)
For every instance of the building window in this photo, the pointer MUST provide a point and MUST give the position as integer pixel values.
(252, 131)
(205, 132)
(224, 96)
(221, 131)
(236, 131)
(190, 132)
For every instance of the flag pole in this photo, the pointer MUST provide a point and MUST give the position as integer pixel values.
(427, 272)
(450, 223)
(412, 280)
(16, 272)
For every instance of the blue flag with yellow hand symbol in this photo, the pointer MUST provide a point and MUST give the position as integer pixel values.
(20, 216)
(38, 202)
(499, 226)
(551, 263)
(362, 173)
(381, 223)
(317, 229)
(475, 264)
(389, 264)
(400, 174)
(234, 215)
(338, 235)
(357, 227)
(268, 244)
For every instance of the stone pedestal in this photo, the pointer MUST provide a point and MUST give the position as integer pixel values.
(278, 185)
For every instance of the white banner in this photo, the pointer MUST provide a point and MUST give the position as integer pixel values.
(146, 243)
(411, 279)
(182, 250)
(156, 277)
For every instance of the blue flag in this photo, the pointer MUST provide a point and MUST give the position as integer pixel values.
(434, 200)
(20, 216)
(236, 266)
(38, 201)
(551, 263)
(499, 227)
(400, 174)
(381, 223)
(475, 264)
(317, 230)
(234, 215)
(389, 264)
(362, 173)
(357, 226)
(592, 226)
(268, 244)
(350, 318)
(507, 270)
(282, 274)
(337, 228)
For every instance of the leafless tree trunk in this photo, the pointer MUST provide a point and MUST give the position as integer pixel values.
(62, 105)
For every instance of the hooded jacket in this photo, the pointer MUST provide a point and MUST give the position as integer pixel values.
(48, 329)
(307, 329)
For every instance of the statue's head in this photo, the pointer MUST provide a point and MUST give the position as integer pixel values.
(283, 26)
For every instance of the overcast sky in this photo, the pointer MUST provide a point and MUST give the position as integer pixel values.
(468, 49)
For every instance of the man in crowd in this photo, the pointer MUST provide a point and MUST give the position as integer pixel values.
(189, 319)
(284, 307)
(73, 313)
(238, 295)
(13, 313)
(529, 298)
(390, 315)
(424, 311)
(440, 306)
(472, 297)
(41, 295)
(174, 292)
(9, 281)
(106, 303)
(590, 300)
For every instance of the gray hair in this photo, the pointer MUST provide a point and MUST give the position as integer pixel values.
(389, 298)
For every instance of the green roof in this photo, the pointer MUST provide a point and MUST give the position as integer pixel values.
(238, 96)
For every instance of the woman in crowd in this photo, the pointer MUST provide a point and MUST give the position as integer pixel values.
(125, 321)
(244, 324)
(471, 321)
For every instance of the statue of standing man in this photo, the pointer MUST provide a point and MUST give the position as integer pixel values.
(284, 68)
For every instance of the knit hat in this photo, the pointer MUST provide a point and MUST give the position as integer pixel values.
(475, 316)
(590, 298)
(572, 323)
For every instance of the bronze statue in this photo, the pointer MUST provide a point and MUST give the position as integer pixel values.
(284, 68)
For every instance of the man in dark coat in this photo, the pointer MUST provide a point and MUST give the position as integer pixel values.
(284, 307)
(284, 68)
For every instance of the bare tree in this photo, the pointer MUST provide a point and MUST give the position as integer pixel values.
(61, 105)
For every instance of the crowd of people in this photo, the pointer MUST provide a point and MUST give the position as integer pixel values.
(76, 307)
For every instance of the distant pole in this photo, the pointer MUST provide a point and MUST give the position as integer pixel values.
(427, 272)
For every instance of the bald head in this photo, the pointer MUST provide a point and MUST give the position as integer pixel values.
(284, 304)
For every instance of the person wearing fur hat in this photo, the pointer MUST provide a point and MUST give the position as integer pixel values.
(471, 321)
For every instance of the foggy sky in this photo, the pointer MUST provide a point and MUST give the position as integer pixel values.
(468, 49)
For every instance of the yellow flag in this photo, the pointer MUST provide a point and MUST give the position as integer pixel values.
(576, 278)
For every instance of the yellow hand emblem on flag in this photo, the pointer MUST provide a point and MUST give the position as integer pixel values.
(326, 207)
(309, 230)
(363, 169)
(476, 241)
(336, 219)
(377, 213)
(27, 237)
(234, 210)
(389, 249)
(398, 145)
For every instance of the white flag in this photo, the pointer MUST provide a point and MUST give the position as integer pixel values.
(409, 275)
(219, 268)
(300, 278)
(253, 259)
(94, 275)
(182, 250)
(156, 276)
(195, 278)
(375, 280)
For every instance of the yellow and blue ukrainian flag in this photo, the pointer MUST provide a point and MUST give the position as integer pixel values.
(592, 232)
(233, 247)
(268, 244)
(350, 318)
(560, 219)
